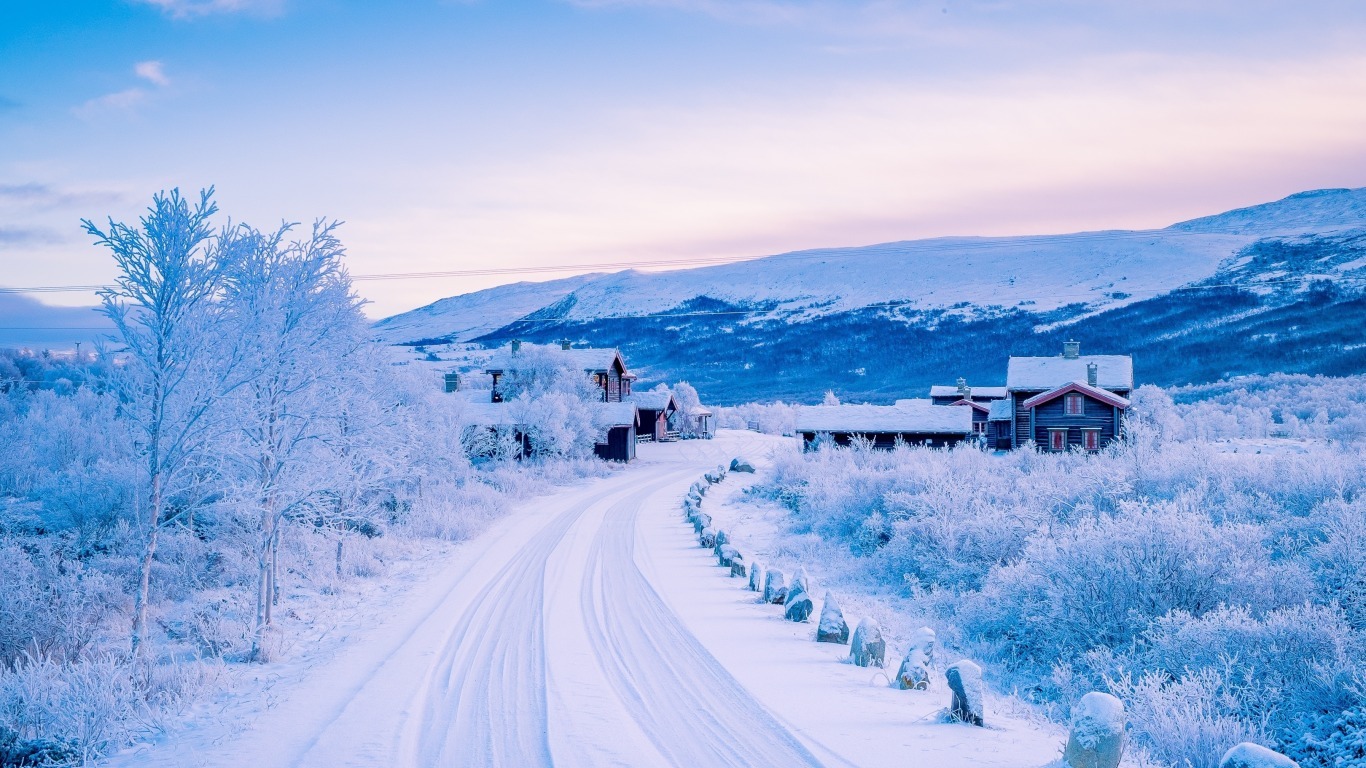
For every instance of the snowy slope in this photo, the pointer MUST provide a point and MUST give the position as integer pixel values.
(471, 315)
(1041, 273)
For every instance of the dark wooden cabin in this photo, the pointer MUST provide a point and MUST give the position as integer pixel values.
(657, 410)
(619, 442)
(999, 419)
(1069, 401)
(884, 426)
(605, 367)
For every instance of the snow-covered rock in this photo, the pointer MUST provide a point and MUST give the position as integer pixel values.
(965, 680)
(914, 673)
(707, 538)
(756, 578)
(775, 587)
(727, 554)
(1249, 755)
(867, 648)
(832, 628)
(701, 522)
(800, 579)
(721, 540)
(798, 604)
(737, 565)
(1097, 737)
(739, 464)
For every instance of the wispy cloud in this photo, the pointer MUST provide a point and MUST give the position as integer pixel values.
(190, 9)
(153, 72)
(28, 236)
(31, 195)
(127, 100)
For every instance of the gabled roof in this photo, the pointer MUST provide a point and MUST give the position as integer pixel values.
(1078, 386)
(652, 400)
(975, 405)
(869, 419)
(591, 359)
(949, 390)
(483, 414)
(1045, 373)
(1001, 410)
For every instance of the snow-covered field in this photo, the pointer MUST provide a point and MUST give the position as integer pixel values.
(587, 628)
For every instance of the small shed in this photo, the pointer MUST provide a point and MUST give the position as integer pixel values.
(885, 426)
(619, 442)
(657, 408)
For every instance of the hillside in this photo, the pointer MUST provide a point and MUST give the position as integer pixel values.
(1270, 287)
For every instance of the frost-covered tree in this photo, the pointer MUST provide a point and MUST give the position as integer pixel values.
(689, 407)
(176, 366)
(291, 305)
(830, 398)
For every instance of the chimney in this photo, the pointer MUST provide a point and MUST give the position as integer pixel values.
(452, 382)
(1071, 350)
(516, 346)
(1092, 371)
(566, 344)
(962, 386)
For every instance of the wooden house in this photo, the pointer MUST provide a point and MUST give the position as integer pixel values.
(999, 418)
(885, 426)
(619, 442)
(605, 367)
(658, 409)
(1071, 401)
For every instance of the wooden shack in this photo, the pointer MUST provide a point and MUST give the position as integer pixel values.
(1071, 401)
(605, 368)
(657, 409)
(885, 426)
(619, 439)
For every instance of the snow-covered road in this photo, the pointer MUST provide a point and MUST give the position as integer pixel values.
(558, 639)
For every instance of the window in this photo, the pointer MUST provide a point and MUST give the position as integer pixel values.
(1076, 405)
(1057, 439)
(1091, 439)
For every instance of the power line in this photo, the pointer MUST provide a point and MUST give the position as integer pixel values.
(950, 245)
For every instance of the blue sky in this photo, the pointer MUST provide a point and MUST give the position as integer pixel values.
(460, 134)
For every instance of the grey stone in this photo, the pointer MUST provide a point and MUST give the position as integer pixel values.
(832, 628)
(775, 587)
(707, 538)
(798, 605)
(756, 578)
(915, 667)
(738, 464)
(965, 680)
(867, 648)
(1097, 736)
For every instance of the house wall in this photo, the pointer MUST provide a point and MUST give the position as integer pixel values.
(1020, 430)
(998, 435)
(1095, 414)
(620, 445)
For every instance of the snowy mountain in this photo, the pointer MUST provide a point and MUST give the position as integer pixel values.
(1274, 286)
(27, 322)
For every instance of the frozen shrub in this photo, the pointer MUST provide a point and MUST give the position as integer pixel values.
(1185, 722)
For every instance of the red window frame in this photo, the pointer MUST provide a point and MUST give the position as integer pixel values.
(1091, 439)
(1074, 404)
(1057, 439)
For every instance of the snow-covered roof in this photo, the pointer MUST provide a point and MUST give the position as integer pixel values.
(1077, 386)
(592, 359)
(1044, 373)
(913, 402)
(653, 400)
(972, 404)
(949, 390)
(484, 414)
(1001, 410)
(865, 419)
(620, 414)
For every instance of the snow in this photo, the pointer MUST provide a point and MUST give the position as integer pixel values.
(934, 419)
(587, 628)
(1320, 210)
(652, 400)
(471, 315)
(1249, 755)
(1001, 410)
(592, 359)
(1112, 371)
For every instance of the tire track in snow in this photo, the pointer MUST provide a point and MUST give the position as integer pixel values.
(692, 710)
(484, 703)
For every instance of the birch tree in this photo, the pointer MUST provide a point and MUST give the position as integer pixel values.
(174, 369)
(292, 305)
